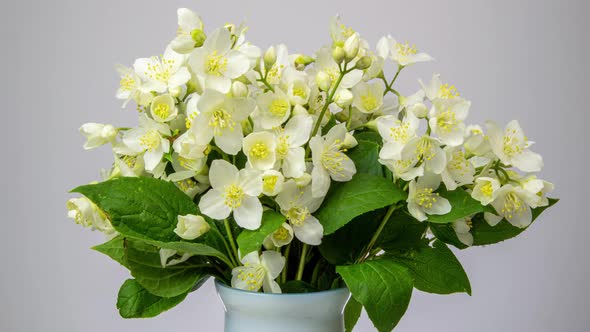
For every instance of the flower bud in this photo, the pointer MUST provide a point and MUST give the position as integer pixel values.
(351, 47)
(239, 89)
(97, 134)
(349, 141)
(175, 91)
(198, 37)
(302, 61)
(190, 227)
(364, 63)
(87, 214)
(371, 125)
(323, 81)
(343, 98)
(338, 54)
(419, 110)
(270, 57)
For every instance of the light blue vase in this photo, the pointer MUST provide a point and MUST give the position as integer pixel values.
(305, 312)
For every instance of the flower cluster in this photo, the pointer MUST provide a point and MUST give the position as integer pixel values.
(242, 130)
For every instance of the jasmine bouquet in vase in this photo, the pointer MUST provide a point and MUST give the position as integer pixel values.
(288, 173)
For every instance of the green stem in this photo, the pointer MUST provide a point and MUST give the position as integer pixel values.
(328, 102)
(284, 273)
(304, 250)
(235, 256)
(399, 69)
(349, 120)
(365, 254)
(263, 80)
(316, 273)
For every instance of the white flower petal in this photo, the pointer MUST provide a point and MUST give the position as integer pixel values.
(249, 214)
(320, 181)
(222, 174)
(250, 181)
(310, 231)
(274, 263)
(212, 204)
(230, 141)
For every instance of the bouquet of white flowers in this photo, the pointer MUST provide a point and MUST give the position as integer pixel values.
(281, 172)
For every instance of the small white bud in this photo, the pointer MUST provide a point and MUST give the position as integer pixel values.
(338, 54)
(323, 81)
(270, 57)
(371, 125)
(97, 134)
(175, 91)
(302, 61)
(239, 89)
(364, 63)
(343, 98)
(349, 141)
(190, 227)
(351, 47)
(420, 110)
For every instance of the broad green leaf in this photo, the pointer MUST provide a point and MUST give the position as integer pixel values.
(147, 209)
(446, 234)
(249, 241)
(346, 244)
(352, 313)
(483, 233)
(366, 158)
(401, 232)
(434, 269)
(144, 263)
(197, 249)
(462, 205)
(141, 207)
(362, 194)
(134, 301)
(115, 249)
(383, 287)
(369, 135)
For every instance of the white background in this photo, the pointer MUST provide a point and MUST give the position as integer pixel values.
(526, 60)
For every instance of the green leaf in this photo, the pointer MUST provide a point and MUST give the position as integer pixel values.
(144, 263)
(141, 207)
(434, 269)
(362, 194)
(369, 135)
(446, 234)
(484, 234)
(197, 249)
(115, 249)
(462, 205)
(346, 244)
(366, 158)
(134, 301)
(249, 241)
(352, 313)
(402, 232)
(383, 287)
(147, 209)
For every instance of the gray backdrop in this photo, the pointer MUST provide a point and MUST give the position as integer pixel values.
(514, 59)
